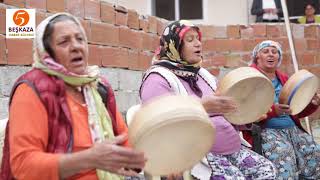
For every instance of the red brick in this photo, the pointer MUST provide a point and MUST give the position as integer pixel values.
(300, 44)
(143, 24)
(130, 38)
(40, 16)
(308, 59)
(152, 24)
(133, 61)
(133, 19)
(3, 56)
(219, 60)
(284, 43)
(55, 5)
(103, 33)
(145, 60)
(121, 16)
(207, 31)
(233, 60)
(75, 7)
(318, 59)
(247, 33)
(38, 4)
(259, 30)
(87, 28)
(275, 31)
(286, 59)
(161, 25)
(150, 41)
(92, 9)
(313, 44)
(115, 57)
(95, 55)
(248, 44)
(220, 32)
(311, 31)
(233, 31)
(19, 51)
(247, 57)
(17, 3)
(108, 14)
(2, 20)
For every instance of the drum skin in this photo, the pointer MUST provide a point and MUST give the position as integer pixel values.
(298, 91)
(252, 91)
(174, 132)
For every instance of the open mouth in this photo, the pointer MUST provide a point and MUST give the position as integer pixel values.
(77, 61)
(198, 53)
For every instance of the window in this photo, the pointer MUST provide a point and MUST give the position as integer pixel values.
(178, 9)
(296, 7)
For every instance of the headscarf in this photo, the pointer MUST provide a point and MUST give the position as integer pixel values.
(264, 44)
(168, 54)
(99, 120)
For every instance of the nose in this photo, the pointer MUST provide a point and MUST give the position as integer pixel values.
(75, 44)
(197, 43)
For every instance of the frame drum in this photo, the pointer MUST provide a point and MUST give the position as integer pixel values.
(174, 132)
(252, 91)
(298, 91)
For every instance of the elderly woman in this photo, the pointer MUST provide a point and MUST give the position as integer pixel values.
(63, 121)
(284, 142)
(180, 54)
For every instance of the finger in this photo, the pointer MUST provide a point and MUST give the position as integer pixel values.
(120, 139)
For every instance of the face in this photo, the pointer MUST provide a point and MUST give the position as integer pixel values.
(268, 59)
(309, 10)
(191, 50)
(69, 46)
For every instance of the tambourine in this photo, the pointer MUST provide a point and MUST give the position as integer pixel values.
(174, 132)
(298, 91)
(252, 91)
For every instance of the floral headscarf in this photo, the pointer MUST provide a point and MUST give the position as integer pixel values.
(264, 44)
(99, 121)
(168, 54)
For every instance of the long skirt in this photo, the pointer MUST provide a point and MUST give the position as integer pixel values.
(241, 165)
(294, 153)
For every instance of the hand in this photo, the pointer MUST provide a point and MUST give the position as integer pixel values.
(316, 99)
(218, 104)
(282, 109)
(112, 157)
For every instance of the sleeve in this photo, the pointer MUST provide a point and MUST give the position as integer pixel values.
(28, 137)
(154, 85)
(256, 9)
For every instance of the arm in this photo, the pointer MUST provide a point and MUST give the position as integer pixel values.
(153, 86)
(28, 142)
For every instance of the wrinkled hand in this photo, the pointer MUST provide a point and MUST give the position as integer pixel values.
(219, 104)
(112, 157)
(316, 99)
(282, 109)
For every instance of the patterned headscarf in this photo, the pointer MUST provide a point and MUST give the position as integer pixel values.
(264, 44)
(99, 121)
(168, 54)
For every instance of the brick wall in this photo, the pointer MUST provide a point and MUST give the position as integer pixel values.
(121, 38)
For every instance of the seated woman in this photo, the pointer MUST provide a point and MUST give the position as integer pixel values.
(63, 120)
(284, 142)
(309, 15)
(180, 54)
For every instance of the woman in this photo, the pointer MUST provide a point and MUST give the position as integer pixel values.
(59, 126)
(309, 15)
(284, 142)
(180, 53)
(266, 10)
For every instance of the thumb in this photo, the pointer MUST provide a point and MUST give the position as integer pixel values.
(120, 139)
